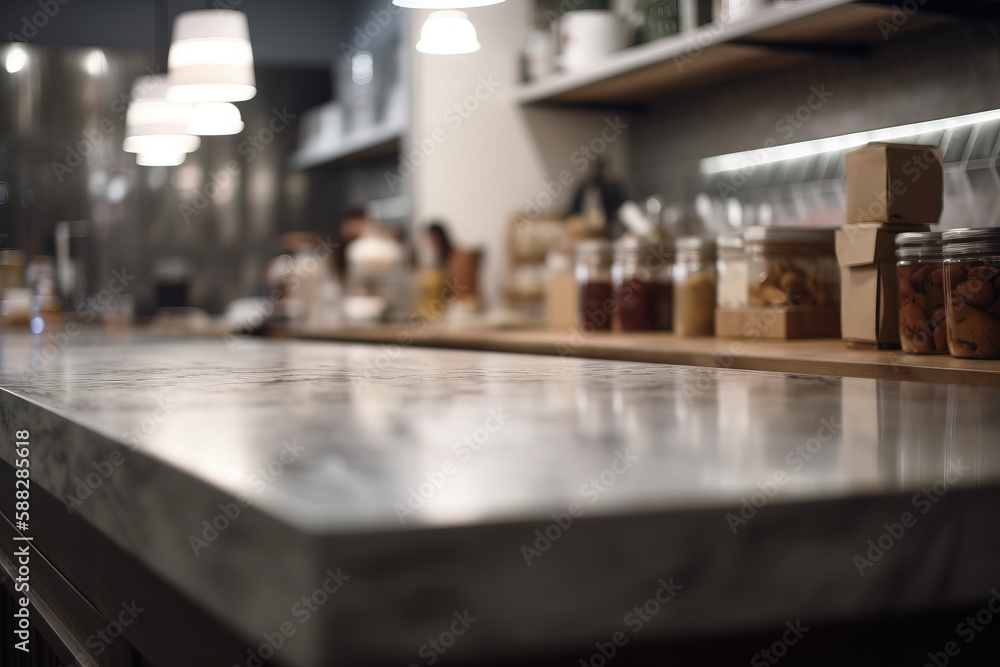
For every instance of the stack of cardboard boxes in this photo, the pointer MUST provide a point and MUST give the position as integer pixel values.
(891, 188)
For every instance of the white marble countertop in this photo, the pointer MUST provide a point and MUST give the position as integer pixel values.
(424, 474)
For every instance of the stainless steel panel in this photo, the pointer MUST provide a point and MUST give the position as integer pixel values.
(62, 121)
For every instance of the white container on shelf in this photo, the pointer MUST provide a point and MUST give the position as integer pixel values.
(688, 10)
(588, 36)
(728, 11)
(733, 270)
(322, 125)
(539, 54)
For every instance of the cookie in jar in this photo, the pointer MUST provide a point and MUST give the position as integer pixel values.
(792, 266)
(922, 319)
(971, 276)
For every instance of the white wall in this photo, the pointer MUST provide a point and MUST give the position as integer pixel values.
(484, 167)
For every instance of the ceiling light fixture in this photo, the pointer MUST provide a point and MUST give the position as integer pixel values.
(362, 68)
(210, 57)
(153, 124)
(16, 59)
(761, 156)
(96, 63)
(162, 159)
(444, 4)
(448, 33)
(215, 118)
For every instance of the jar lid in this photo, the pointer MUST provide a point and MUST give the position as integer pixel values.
(972, 234)
(730, 241)
(918, 245)
(789, 235)
(594, 247)
(918, 238)
(629, 245)
(971, 240)
(696, 243)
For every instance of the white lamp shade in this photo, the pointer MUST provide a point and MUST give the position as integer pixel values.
(444, 4)
(162, 159)
(161, 143)
(215, 118)
(210, 57)
(448, 33)
(154, 124)
(16, 59)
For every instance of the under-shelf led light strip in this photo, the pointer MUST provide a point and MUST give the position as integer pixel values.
(755, 158)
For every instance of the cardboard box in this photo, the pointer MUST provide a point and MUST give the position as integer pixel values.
(895, 184)
(869, 289)
(778, 322)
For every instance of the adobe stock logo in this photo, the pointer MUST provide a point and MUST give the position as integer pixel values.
(894, 531)
(635, 620)
(368, 32)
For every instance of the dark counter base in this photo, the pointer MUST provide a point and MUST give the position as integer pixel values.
(875, 642)
(83, 579)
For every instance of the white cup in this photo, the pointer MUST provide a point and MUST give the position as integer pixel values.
(588, 36)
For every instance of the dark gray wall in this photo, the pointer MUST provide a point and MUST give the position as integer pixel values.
(283, 32)
(53, 110)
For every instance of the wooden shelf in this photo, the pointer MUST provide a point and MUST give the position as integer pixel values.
(773, 38)
(379, 141)
(802, 357)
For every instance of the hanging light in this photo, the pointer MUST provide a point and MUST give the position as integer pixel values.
(161, 159)
(153, 124)
(96, 63)
(444, 4)
(215, 118)
(448, 33)
(362, 68)
(16, 59)
(210, 57)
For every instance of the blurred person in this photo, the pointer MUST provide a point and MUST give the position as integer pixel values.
(434, 250)
(438, 236)
(353, 225)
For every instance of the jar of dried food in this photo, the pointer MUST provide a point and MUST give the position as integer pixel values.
(643, 287)
(733, 271)
(695, 290)
(922, 327)
(971, 277)
(791, 266)
(593, 277)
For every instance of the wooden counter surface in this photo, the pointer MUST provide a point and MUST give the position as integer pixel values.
(807, 357)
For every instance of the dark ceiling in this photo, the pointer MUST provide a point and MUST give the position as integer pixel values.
(284, 32)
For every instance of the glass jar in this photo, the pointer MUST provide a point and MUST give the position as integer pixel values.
(971, 276)
(922, 327)
(11, 285)
(791, 266)
(727, 11)
(45, 307)
(643, 287)
(593, 277)
(660, 18)
(695, 287)
(11, 269)
(733, 271)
